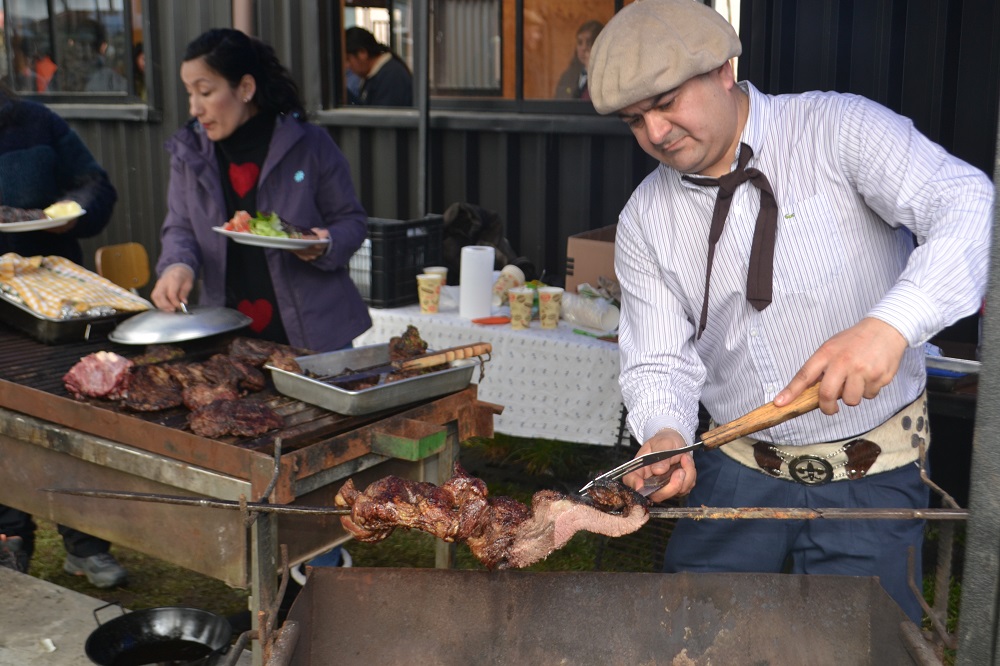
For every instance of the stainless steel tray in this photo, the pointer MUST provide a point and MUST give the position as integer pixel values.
(374, 399)
(55, 331)
(947, 374)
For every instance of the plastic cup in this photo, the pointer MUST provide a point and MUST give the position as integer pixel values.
(438, 270)
(549, 306)
(510, 276)
(521, 300)
(429, 292)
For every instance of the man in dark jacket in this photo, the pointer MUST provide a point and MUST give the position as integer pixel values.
(385, 78)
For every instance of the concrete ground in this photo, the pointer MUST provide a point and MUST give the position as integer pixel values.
(42, 623)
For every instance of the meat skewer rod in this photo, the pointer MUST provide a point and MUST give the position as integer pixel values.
(719, 513)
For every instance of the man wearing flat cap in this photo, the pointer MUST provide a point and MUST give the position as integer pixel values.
(782, 241)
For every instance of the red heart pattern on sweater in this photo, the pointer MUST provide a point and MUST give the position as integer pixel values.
(243, 177)
(260, 311)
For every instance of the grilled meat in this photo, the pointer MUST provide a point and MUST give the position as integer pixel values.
(158, 354)
(251, 378)
(11, 214)
(189, 374)
(501, 532)
(152, 388)
(285, 360)
(242, 418)
(99, 375)
(407, 345)
(219, 369)
(196, 396)
(258, 352)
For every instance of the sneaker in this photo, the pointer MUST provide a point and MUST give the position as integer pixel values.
(12, 555)
(102, 570)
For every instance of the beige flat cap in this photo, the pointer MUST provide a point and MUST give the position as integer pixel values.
(652, 46)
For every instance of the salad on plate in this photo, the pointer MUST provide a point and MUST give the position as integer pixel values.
(263, 224)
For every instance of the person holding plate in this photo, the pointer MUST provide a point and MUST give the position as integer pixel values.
(249, 148)
(43, 161)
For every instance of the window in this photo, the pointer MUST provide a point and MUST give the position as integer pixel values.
(557, 40)
(510, 50)
(72, 48)
(465, 47)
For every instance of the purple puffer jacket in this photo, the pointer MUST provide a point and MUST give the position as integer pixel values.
(307, 181)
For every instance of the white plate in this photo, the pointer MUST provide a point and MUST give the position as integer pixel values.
(38, 225)
(246, 238)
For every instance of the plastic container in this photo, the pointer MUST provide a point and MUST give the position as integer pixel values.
(386, 266)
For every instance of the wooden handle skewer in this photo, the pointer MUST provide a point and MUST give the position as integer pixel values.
(762, 418)
(446, 356)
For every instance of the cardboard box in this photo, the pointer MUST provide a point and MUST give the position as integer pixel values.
(590, 255)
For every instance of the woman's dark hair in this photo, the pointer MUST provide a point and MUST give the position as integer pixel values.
(358, 39)
(233, 54)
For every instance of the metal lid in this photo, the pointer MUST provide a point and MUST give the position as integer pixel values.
(159, 327)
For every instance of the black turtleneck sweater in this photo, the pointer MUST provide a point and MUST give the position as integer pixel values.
(249, 288)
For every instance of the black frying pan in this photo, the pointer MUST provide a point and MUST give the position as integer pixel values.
(171, 635)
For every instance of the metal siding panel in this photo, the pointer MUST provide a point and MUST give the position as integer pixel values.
(491, 171)
(533, 199)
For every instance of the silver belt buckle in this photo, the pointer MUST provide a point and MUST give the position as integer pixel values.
(810, 470)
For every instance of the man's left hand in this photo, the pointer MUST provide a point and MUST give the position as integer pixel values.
(854, 364)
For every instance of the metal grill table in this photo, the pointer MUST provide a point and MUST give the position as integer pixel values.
(51, 440)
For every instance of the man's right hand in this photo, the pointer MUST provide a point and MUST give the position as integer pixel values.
(682, 478)
(173, 288)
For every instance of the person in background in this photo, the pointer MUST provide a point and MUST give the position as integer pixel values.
(139, 67)
(103, 77)
(248, 147)
(773, 248)
(385, 78)
(43, 161)
(573, 82)
(45, 69)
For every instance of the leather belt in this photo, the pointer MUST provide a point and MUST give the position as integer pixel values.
(889, 446)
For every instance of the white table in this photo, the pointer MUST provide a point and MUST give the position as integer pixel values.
(553, 384)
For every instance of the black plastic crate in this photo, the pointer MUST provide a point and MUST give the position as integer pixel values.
(385, 268)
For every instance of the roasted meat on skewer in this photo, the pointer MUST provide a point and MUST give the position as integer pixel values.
(501, 532)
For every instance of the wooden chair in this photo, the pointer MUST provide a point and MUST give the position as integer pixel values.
(125, 264)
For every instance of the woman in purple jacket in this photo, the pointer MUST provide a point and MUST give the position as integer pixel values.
(248, 147)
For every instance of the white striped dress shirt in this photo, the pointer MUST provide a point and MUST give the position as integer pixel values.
(855, 185)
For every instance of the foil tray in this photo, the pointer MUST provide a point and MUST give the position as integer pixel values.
(366, 401)
(56, 331)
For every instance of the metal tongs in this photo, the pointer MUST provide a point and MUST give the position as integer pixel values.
(759, 419)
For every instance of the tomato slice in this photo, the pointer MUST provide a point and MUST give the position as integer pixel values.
(240, 222)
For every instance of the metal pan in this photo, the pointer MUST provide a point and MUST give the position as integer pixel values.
(366, 401)
(158, 327)
(56, 331)
(173, 634)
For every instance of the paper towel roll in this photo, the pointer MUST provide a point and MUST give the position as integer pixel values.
(476, 281)
(591, 312)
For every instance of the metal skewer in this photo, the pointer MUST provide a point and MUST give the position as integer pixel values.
(697, 513)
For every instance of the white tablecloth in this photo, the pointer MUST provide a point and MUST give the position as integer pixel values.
(553, 384)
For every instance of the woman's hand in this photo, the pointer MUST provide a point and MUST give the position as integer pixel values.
(173, 288)
(314, 252)
(682, 473)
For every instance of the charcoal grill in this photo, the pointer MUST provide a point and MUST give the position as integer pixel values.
(407, 616)
(50, 440)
